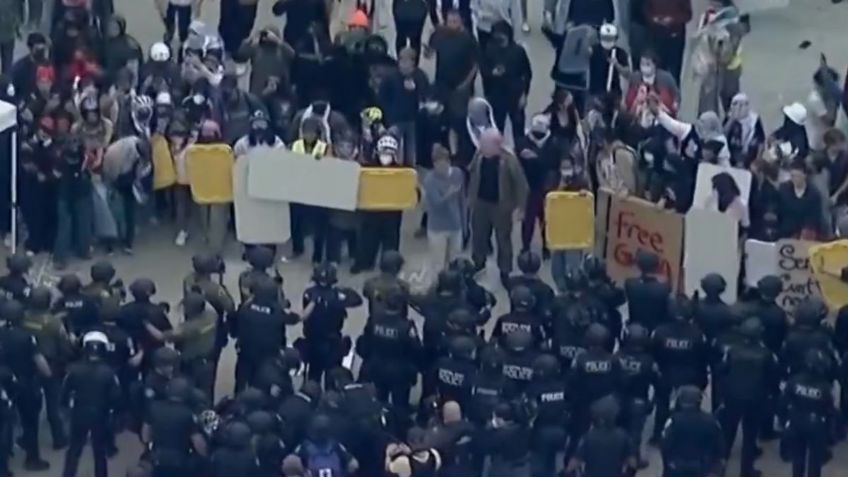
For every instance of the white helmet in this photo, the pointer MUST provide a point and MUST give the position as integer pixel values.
(608, 30)
(388, 143)
(160, 52)
(164, 99)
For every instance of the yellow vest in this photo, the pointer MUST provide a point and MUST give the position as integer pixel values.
(318, 150)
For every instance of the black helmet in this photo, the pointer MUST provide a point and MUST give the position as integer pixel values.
(250, 399)
(636, 336)
(648, 262)
(165, 356)
(237, 435)
(142, 288)
(816, 362)
(462, 347)
(179, 390)
(522, 298)
(12, 311)
(597, 336)
(594, 267)
(69, 284)
(449, 281)
(770, 286)
(462, 319)
(18, 263)
(325, 275)
(546, 366)
(713, 284)
(40, 298)
(391, 262)
(575, 280)
(109, 310)
(689, 397)
(810, 312)
(205, 263)
(751, 329)
(605, 410)
(463, 265)
(518, 340)
(395, 300)
(529, 262)
(265, 290)
(193, 304)
(95, 343)
(260, 258)
(102, 271)
(681, 308)
(261, 422)
(491, 357)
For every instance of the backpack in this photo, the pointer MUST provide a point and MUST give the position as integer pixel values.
(323, 461)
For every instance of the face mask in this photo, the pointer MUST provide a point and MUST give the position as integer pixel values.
(40, 55)
(386, 159)
(607, 44)
(198, 99)
(647, 71)
(10, 90)
(567, 173)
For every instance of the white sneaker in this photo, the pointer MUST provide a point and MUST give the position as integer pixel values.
(525, 27)
(181, 239)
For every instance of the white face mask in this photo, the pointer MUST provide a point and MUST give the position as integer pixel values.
(198, 98)
(386, 159)
(10, 90)
(607, 44)
(648, 73)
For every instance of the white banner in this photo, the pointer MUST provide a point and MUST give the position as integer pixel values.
(257, 221)
(711, 246)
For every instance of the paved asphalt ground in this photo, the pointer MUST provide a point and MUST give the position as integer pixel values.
(776, 72)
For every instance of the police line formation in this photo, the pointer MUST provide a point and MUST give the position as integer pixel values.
(561, 384)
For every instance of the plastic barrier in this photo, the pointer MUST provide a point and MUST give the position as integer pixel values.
(210, 173)
(569, 220)
(164, 174)
(827, 261)
(384, 188)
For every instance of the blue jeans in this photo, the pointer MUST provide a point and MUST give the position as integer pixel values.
(561, 262)
(74, 226)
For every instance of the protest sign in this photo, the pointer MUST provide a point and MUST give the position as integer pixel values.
(712, 246)
(760, 260)
(569, 220)
(827, 261)
(636, 224)
(601, 217)
(257, 221)
(704, 186)
(387, 188)
(793, 266)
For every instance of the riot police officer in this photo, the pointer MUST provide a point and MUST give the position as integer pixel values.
(548, 395)
(570, 320)
(92, 391)
(521, 317)
(519, 356)
(681, 353)
(260, 259)
(20, 353)
(647, 296)
(809, 410)
(605, 450)
(529, 264)
(259, 329)
(478, 297)
(489, 386)
(747, 372)
(771, 315)
(692, 443)
(235, 456)
(325, 311)
(55, 345)
(15, 285)
(805, 334)
(164, 364)
(8, 385)
(78, 310)
(604, 293)
(103, 283)
(391, 263)
(456, 371)
(140, 315)
(712, 314)
(640, 373)
(596, 373)
(389, 347)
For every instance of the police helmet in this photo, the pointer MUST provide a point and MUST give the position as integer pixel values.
(816, 362)
(713, 284)
(575, 280)
(546, 366)
(529, 262)
(237, 435)
(681, 308)
(770, 286)
(291, 358)
(810, 312)
(179, 390)
(18, 263)
(69, 284)
(605, 410)
(320, 425)
(518, 340)
(648, 262)
(260, 257)
(522, 298)
(462, 347)
(597, 335)
(461, 319)
(12, 311)
(40, 298)
(250, 399)
(636, 336)
(95, 343)
(689, 397)
(463, 265)
(205, 263)
(751, 329)
(265, 290)
(142, 288)
(594, 267)
(165, 356)
(391, 262)
(394, 300)
(102, 271)
(449, 282)
(193, 304)
(325, 274)
(491, 357)
(261, 422)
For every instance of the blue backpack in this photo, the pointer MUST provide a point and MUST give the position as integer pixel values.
(323, 461)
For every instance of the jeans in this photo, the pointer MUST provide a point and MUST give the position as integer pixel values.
(73, 227)
(444, 247)
(561, 262)
(177, 17)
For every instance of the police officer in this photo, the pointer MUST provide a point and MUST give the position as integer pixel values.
(391, 263)
(20, 353)
(55, 345)
(640, 373)
(389, 347)
(809, 410)
(139, 316)
(103, 283)
(92, 390)
(692, 442)
(78, 310)
(605, 450)
(260, 259)
(747, 372)
(259, 329)
(325, 311)
(489, 386)
(8, 385)
(604, 293)
(507, 443)
(15, 285)
(519, 356)
(548, 395)
(771, 315)
(172, 433)
(164, 364)
(477, 295)
(456, 371)
(596, 373)
(681, 353)
(647, 296)
(521, 317)
(529, 264)
(712, 314)
(570, 320)
(236, 455)
(805, 334)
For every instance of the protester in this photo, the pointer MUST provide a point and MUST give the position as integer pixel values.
(445, 207)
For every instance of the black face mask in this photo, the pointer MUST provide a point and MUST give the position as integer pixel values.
(40, 55)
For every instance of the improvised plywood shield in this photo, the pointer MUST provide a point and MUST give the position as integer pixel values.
(569, 220)
(210, 173)
(387, 188)
(257, 221)
(164, 174)
(827, 261)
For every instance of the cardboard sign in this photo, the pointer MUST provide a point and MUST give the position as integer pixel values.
(827, 261)
(257, 221)
(760, 260)
(285, 176)
(601, 218)
(793, 266)
(712, 246)
(210, 172)
(636, 224)
(569, 220)
(704, 186)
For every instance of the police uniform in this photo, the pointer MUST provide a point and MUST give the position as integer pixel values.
(549, 397)
(455, 373)
(639, 373)
(198, 346)
(519, 356)
(712, 314)
(324, 346)
(489, 386)
(15, 285)
(807, 398)
(692, 443)
(79, 312)
(647, 297)
(170, 426)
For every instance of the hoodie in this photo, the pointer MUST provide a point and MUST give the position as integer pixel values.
(119, 51)
(506, 70)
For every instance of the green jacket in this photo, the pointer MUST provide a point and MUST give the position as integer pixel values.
(216, 294)
(198, 336)
(49, 332)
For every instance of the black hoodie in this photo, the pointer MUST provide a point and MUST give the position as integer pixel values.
(506, 70)
(120, 50)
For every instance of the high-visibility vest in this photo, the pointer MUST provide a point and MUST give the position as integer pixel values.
(318, 150)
